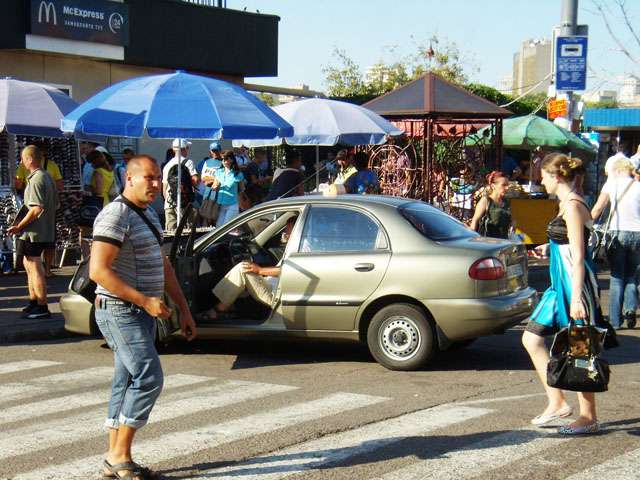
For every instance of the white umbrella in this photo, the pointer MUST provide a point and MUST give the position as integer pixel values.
(323, 122)
(28, 108)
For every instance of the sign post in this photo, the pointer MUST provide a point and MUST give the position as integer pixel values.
(571, 63)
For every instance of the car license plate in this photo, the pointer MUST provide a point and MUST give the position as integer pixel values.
(514, 270)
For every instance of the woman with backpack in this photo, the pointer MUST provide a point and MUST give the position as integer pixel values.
(230, 182)
(492, 217)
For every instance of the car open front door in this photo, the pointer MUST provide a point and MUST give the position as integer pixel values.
(184, 264)
(342, 256)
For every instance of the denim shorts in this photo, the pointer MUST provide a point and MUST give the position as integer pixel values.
(137, 380)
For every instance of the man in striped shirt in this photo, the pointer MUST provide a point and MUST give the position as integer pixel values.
(132, 274)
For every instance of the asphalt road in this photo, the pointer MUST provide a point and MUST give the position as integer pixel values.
(254, 410)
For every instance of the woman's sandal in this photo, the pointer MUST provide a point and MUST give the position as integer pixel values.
(134, 469)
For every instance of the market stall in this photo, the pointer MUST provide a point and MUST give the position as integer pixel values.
(30, 113)
(531, 209)
(431, 162)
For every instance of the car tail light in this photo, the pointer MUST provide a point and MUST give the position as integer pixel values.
(487, 269)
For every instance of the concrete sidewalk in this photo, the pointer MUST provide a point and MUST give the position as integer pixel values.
(14, 296)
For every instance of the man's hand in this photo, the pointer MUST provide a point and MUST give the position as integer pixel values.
(187, 325)
(156, 307)
(13, 230)
(250, 267)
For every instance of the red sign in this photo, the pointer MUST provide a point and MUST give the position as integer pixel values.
(556, 108)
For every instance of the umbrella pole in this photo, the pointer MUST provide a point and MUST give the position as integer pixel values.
(317, 168)
(179, 206)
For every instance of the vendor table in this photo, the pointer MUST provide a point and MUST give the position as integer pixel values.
(531, 216)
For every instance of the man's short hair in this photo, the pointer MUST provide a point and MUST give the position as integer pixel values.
(33, 152)
(136, 160)
(128, 150)
(291, 157)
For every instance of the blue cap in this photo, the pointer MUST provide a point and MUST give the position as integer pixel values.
(215, 146)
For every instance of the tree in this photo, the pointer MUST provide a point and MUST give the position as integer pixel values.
(267, 98)
(344, 80)
(444, 60)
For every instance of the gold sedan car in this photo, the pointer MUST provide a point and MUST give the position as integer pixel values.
(398, 274)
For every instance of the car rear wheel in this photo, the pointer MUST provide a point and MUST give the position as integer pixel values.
(400, 337)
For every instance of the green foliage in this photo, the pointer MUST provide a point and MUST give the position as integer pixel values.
(344, 78)
(522, 106)
(267, 98)
(346, 81)
(602, 104)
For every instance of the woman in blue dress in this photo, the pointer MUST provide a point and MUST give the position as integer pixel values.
(573, 292)
(230, 182)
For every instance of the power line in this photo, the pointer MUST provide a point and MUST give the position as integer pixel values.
(527, 92)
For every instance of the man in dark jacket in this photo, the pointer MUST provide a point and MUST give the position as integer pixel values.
(289, 181)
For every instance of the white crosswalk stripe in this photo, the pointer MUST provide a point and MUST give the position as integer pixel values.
(43, 435)
(90, 398)
(210, 434)
(53, 384)
(479, 457)
(341, 446)
(622, 467)
(14, 367)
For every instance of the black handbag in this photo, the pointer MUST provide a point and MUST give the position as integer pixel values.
(575, 362)
(210, 209)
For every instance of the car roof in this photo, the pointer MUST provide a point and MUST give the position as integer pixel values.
(364, 200)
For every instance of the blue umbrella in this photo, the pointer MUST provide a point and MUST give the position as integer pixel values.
(176, 105)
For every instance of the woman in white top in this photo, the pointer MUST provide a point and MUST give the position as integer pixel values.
(622, 192)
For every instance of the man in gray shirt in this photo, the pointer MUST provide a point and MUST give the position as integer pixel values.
(36, 229)
(132, 274)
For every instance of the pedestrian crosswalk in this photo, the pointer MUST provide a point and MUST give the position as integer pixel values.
(51, 428)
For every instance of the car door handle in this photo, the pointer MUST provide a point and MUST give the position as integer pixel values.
(364, 267)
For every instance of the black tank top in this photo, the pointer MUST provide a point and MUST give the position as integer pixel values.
(557, 228)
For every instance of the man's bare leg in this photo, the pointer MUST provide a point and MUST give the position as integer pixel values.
(37, 282)
(120, 441)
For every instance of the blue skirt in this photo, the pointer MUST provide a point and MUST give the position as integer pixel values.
(552, 313)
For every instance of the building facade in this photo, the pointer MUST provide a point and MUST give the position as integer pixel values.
(84, 46)
(532, 67)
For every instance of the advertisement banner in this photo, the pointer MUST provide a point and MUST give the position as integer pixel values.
(98, 21)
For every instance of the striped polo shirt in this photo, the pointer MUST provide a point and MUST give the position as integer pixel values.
(140, 260)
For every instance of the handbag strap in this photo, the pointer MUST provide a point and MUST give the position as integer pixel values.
(144, 218)
(615, 208)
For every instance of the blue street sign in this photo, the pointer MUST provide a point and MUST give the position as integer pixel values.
(571, 63)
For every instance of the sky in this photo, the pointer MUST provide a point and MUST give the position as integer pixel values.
(487, 33)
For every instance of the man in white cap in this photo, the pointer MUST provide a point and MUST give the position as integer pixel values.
(169, 173)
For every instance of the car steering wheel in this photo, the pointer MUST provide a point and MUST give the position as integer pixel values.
(240, 250)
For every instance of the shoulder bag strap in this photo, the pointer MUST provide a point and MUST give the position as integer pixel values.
(615, 208)
(144, 218)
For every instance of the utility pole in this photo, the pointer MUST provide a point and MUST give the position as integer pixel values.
(569, 27)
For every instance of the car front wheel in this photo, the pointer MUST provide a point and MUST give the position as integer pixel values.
(400, 337)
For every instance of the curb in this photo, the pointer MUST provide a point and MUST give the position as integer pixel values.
(50, 333)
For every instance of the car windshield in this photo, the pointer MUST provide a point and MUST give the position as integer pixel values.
(434, 224)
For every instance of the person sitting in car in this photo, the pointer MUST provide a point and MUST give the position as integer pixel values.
(259, 282)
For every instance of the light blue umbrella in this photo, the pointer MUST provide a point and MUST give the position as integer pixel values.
(323, 122)
(176, 105)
